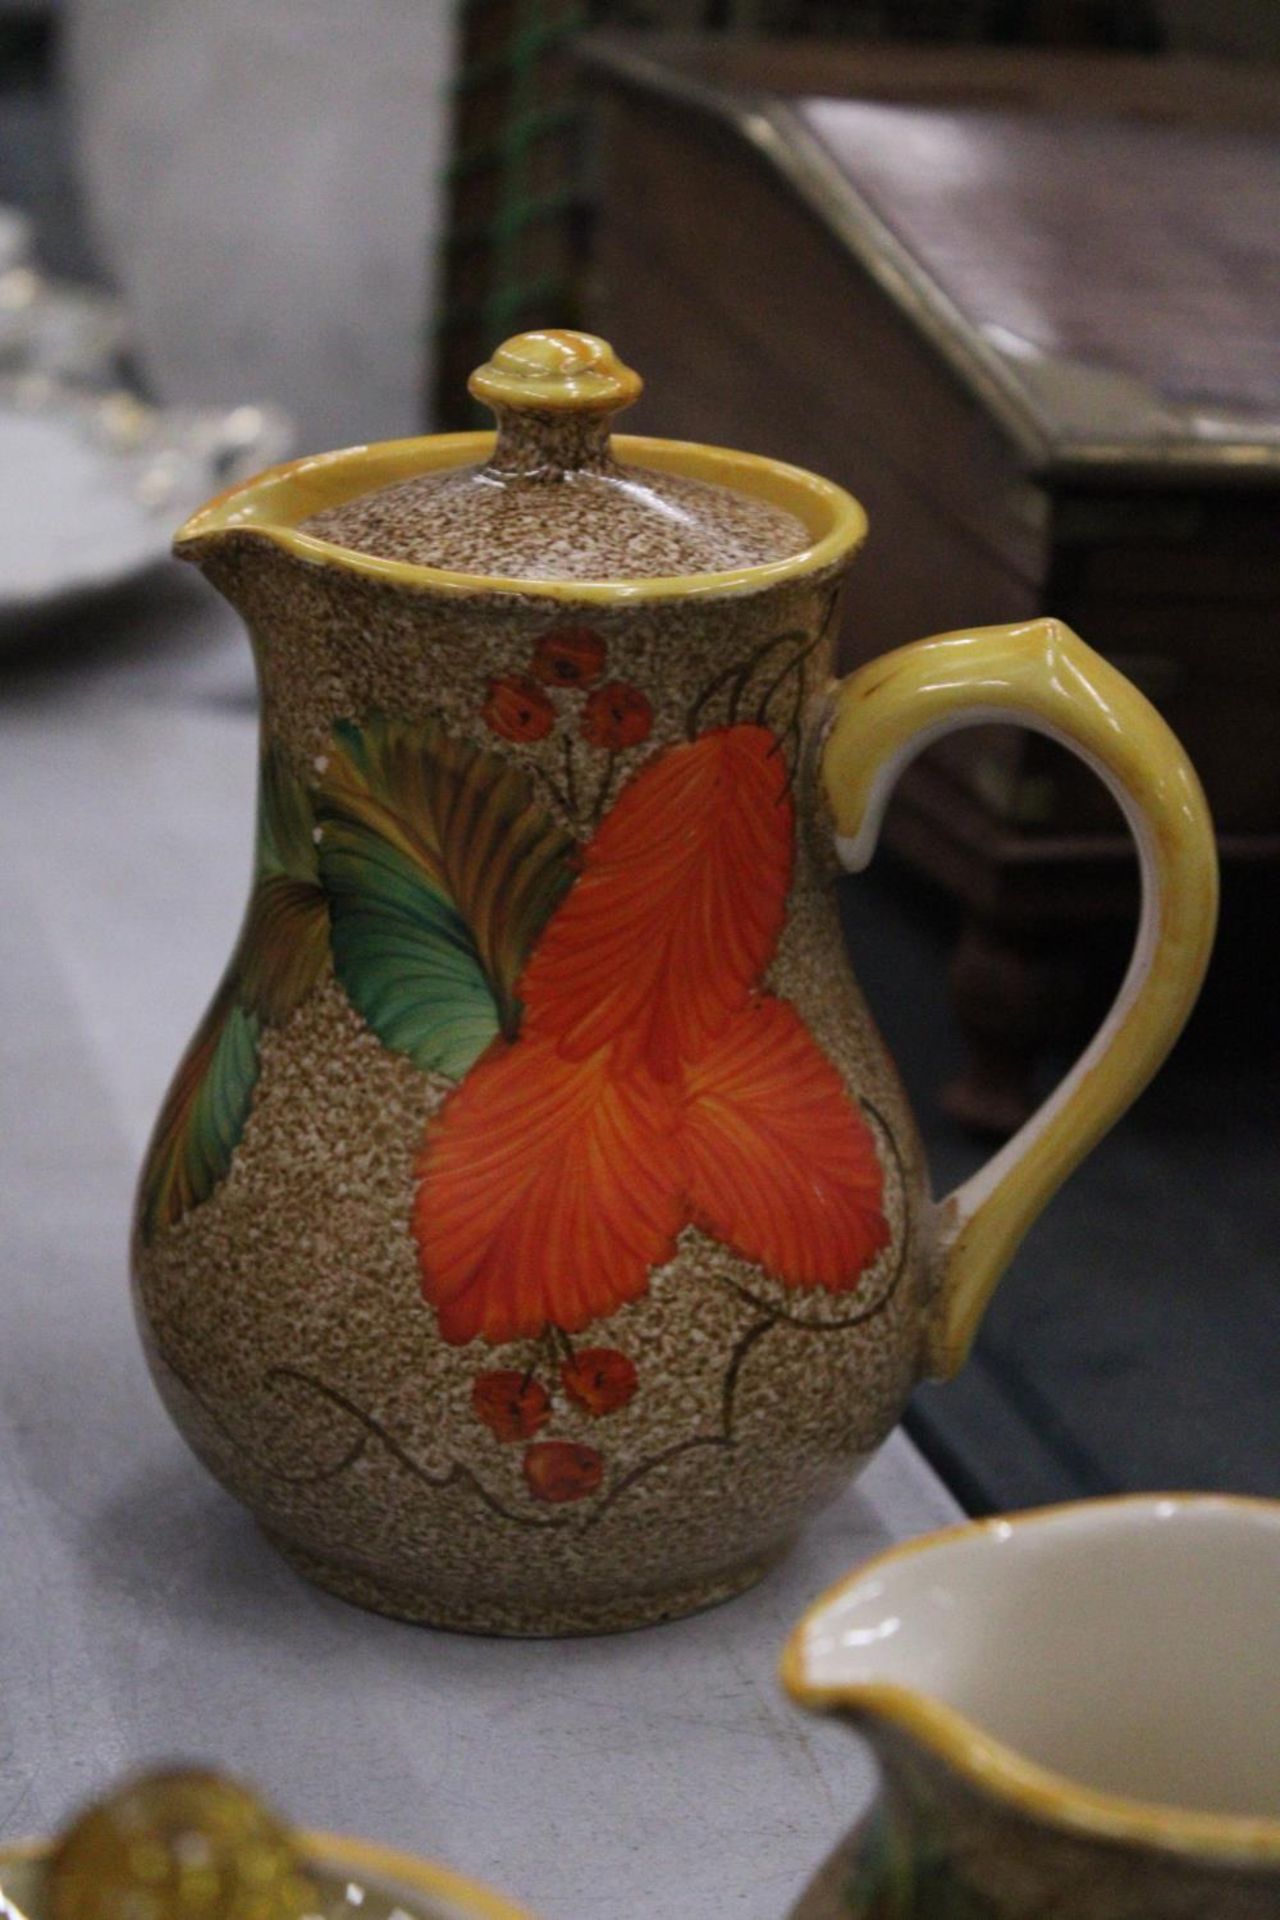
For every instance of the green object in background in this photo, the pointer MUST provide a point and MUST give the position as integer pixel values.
(518, 185)
(515, 184)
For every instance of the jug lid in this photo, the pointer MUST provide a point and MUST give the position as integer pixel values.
(557, 499)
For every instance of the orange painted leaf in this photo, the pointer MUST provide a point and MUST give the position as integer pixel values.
(780, 1163)
(548, 1189)
(677, 908)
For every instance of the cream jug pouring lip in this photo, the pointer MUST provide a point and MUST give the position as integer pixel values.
(849, 1652)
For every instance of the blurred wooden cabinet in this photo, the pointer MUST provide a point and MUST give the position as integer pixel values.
(1027, 307)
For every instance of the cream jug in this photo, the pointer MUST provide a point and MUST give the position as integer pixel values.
(1075, 1714)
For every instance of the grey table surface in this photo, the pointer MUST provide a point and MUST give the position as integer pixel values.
(141, 1616)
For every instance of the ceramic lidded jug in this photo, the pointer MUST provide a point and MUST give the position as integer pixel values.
(535, 1232)
(1074, 1714)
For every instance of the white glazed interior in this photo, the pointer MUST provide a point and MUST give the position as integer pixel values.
(1132, 1647)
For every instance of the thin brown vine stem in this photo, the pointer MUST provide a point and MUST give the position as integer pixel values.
(754, 665)
(454, 1475)
(570, 784)
(782, 1318)
(560, 799)
(873, 1308)
(739, 671)
(692, 1445)
(788, 743)
(833, 606)
(311, 1479)
(458, 1474)
(724, 1439)
(795, 664)
(770, 1317)
(736, 1363)
(597, 812)
(705, 698)
(795, 734)
(870, 1107)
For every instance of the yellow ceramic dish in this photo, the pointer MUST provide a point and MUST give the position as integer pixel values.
(388, 1881)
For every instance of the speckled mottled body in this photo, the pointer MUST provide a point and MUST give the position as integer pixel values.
(284, 1317)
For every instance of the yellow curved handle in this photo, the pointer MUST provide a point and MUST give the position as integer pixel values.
(1042, 676)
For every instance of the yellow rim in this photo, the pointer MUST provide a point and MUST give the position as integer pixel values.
(996, 1769)
(338, 1852)
(273, 505)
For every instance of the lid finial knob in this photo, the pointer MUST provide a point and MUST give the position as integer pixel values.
(556, 370)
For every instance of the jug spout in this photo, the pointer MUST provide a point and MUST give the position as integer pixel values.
(252, 526)
(268, 510)
(247, 537)
(1076, 1698)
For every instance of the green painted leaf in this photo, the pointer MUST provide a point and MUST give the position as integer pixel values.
(281, 952)
(883, 1883)
(285, 937)
(286, 825)
(204, 1113)
(441, 870)
(283, 946)
(404, 953)
(899, 1873)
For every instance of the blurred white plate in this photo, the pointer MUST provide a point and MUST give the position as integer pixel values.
(92, 486)
(57, 327)
(15, 237)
